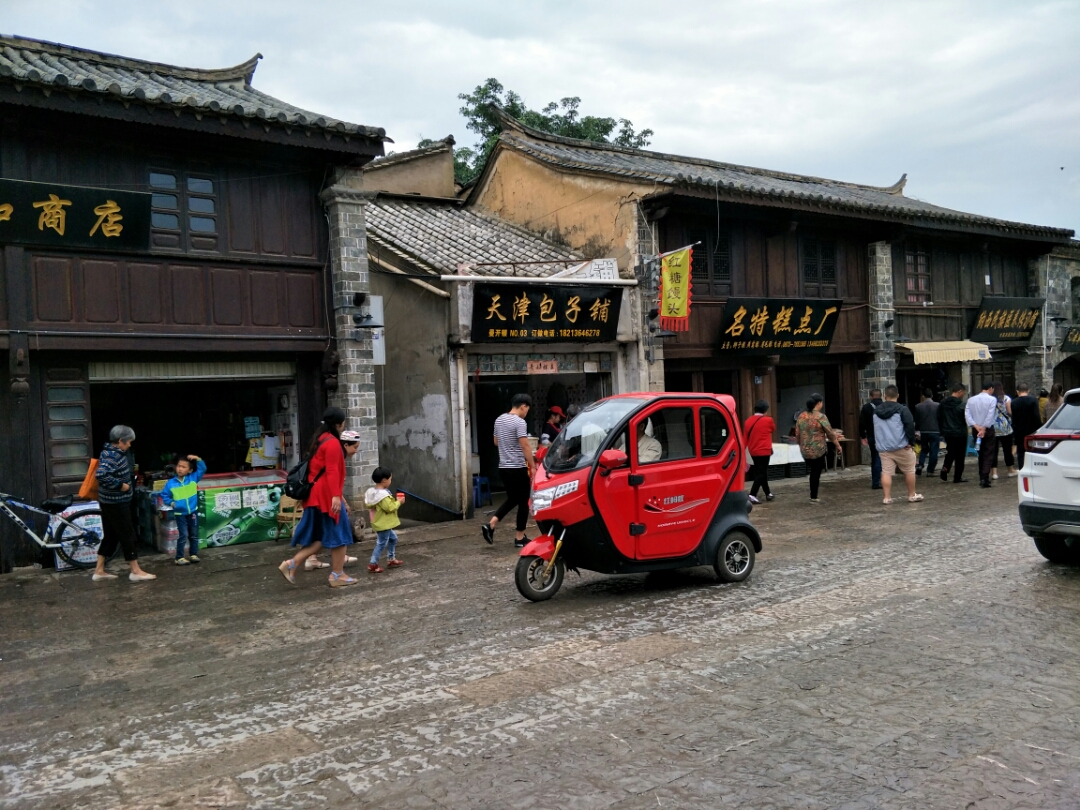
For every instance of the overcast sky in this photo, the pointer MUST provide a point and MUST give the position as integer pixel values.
(979, 102)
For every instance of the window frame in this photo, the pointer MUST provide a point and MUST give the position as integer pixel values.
(695, 443)
(716, 250)
(913, 250)
(188, 239)
(814, 250)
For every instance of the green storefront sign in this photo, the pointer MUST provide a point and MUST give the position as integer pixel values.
(239, 507)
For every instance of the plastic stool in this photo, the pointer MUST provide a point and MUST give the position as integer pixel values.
(481, 490)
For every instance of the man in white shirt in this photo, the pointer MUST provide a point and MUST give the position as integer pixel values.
(979, 414)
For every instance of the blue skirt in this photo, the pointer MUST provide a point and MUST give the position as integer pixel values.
(318, 527)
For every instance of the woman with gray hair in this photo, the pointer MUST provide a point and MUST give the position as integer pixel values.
(115, 486)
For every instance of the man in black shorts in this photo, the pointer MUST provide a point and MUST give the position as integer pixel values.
(516, 467)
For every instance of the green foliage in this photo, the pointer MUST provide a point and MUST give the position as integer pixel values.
(562, 118)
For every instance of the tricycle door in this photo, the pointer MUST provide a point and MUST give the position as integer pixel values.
(615, 501)
(680, 482)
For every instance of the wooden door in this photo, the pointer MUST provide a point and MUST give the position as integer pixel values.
(65, 401)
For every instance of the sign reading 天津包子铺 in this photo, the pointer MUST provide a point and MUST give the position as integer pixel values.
(73, 216)
(540, 313)
(1010, 319)
(778, 325)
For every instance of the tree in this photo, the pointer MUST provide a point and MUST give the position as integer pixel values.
(562, 118)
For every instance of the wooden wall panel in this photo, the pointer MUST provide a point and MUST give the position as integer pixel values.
(101, 291)
(52, 280)
(227, 296)
(145, 293)
(241, 212)
(271, 213)
(302, 297)
(188, 299)
(300, 201)
(3, 293)
(264, 294)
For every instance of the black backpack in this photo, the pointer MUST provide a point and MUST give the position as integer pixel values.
(297, 485)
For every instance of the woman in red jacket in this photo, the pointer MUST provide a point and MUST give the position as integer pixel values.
(325, 523)
(758, 431)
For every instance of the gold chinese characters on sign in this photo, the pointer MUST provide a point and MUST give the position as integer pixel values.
(778, 325)
(41, 213)
(1011, 319)
(545, 314)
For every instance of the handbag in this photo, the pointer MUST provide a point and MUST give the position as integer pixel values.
(88, 491)
(749, 458)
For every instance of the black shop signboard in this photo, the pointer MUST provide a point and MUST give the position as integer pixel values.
(73, 216)
(1011, 319)
(1071, 344)
(536, 313)
(778, 325)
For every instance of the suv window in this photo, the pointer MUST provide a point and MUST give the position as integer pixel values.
(714, 432)
(1067, 416)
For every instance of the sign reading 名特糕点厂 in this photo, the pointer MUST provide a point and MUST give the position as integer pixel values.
(534, 313)
(1071, 344)
(778, 325)
(1006, 319)
(73, 216)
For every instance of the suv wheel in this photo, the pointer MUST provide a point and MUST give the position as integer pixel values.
(1055, 549)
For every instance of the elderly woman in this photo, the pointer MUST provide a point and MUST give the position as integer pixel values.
(115, 486)
(815, 433)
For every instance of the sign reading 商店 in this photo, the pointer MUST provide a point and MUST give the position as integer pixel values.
(779, 325)
(533, 313)
(73, 216)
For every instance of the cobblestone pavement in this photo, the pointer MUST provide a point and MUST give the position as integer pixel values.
(910, 656)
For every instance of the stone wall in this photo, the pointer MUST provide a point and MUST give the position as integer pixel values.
(880, 371)
(356, 379)
(1050, 277)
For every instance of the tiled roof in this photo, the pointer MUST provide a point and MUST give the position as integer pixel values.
(394, 158)
(442, 234)
(222, 92)
(670, 172)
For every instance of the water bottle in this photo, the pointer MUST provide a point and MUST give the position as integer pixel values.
(978, 444)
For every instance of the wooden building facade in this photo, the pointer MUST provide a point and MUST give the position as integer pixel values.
(219, 309)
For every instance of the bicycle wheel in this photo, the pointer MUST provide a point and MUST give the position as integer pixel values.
(78, 538)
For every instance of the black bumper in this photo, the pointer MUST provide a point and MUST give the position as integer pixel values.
(1038, 518)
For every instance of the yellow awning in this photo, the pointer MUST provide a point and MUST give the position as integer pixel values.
(948, 351)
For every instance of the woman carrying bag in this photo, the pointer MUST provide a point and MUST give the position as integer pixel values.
(758, 430)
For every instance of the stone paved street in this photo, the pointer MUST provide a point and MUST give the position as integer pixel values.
(911, 656)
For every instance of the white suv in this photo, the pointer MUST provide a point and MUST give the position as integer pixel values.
(1049, 484)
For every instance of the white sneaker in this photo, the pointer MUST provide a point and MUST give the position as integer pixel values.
(753, 499)
(143, 577)
(106, 575)
(994, 476)
(1013, 474)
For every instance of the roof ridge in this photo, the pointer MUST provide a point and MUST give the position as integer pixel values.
(411, 154)
(511, 122)
(244, 71)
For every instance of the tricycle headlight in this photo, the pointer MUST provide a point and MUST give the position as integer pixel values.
(543, 498)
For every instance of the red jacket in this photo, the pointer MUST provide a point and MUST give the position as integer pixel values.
(329, 459)
(758, 431)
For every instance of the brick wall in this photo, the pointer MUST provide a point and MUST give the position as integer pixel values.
(880, 371)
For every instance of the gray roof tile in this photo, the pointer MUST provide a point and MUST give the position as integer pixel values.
(225, 91)
(442, 234)
(674, 171)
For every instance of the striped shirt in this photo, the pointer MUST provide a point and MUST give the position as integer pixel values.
(509, 428)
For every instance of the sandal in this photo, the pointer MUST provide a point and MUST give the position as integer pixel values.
(288, 570)
(374, 568)
(915, 498)
(888, 500)
(311, 563)
(341, 580)
(393, 563)
(349, 560)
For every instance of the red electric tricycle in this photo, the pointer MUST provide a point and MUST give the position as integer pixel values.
(642, 482)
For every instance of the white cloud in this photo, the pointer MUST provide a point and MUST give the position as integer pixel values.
(977, 101)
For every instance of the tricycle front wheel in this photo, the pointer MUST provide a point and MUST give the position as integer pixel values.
(531, 581)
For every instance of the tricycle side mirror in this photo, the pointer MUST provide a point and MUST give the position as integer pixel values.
(612, 460)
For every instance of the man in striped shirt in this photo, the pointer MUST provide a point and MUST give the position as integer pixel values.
(516, 466)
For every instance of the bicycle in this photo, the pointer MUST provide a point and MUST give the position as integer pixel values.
(75, 539)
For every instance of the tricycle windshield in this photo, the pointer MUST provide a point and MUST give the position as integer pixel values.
(583, 438)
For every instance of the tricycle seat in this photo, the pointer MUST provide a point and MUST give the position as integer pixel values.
(56, 505)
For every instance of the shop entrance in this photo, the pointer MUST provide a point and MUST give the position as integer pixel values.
(212, 419)
(913, 381)
(709, 381)
(795, 385)
(490, 397)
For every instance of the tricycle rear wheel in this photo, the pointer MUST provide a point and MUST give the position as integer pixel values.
(530, 579)
(734, 557)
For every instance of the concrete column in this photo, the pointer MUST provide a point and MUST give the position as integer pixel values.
(650, 376)
(356, 375)
(1049, 277)
(881, 371)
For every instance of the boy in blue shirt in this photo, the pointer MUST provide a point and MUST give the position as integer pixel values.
(182, 494)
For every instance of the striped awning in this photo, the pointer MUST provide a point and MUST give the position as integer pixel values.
(948, 351)
(172, 371)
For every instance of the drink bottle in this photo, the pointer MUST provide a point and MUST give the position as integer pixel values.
(978, 443)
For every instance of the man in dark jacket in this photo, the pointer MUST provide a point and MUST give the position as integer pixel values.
(926, 424)
(1025, 417)
(866, 433)
(954, 431)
